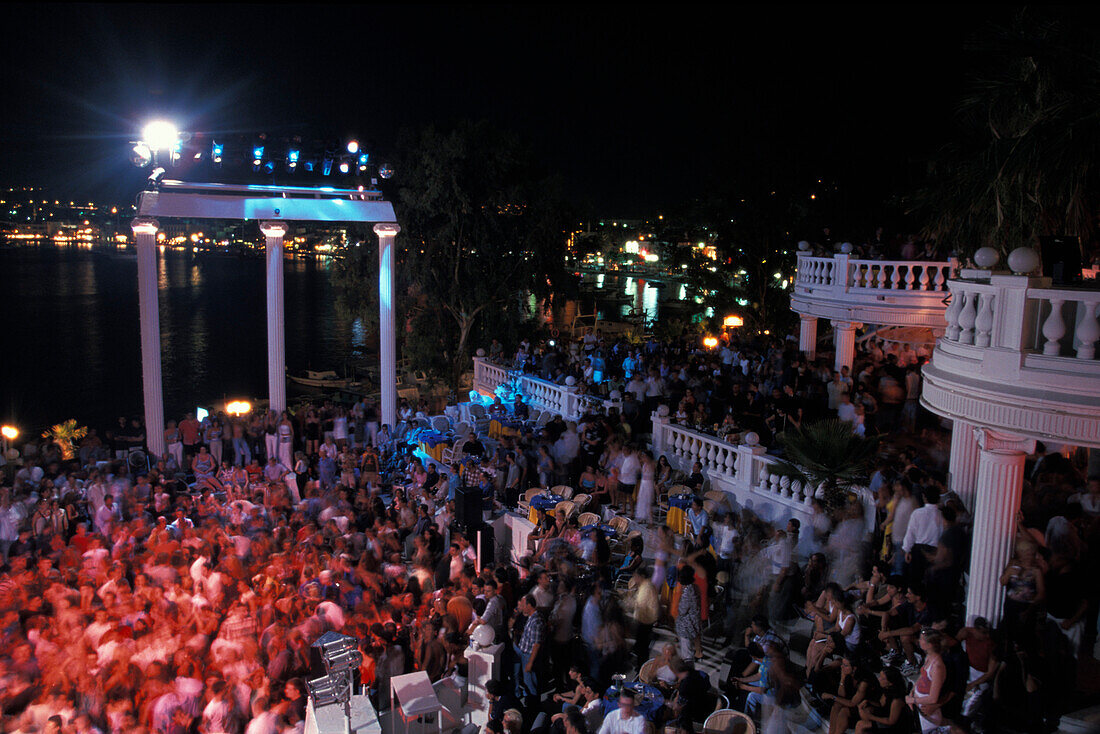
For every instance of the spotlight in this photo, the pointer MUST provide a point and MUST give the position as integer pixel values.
(292, 156)
(140, 155)
(308, 166)
(353, 147)
(344, 167)
(269, 167)
(326, 166)
(217, 150)
(160, 135)
(385, 171)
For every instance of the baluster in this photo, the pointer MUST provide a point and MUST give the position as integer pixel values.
(773, 483)
(784, 486)
(939, 281)
(796, 490)
(710, 463)
(895, 277)
(966, 319)
(952, 315)
(677, 444)
(731, 462)
(925, 279)
(1054, 328)
(880, 282)
(909, 277)
(814, 267)
(1088, 331)
(984, 322)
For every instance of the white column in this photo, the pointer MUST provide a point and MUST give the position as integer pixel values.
(387, 340)
(963, 470)
(807, 336)
(844, 337)
(276, 342)
(145, 236)
(1000, 484)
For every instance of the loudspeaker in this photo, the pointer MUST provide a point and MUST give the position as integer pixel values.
(468, 507)
(1061, 257)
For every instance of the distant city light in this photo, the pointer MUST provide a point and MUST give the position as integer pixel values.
(160, 135)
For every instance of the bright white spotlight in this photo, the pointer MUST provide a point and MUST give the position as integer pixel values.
(160, 135)
(353, 147)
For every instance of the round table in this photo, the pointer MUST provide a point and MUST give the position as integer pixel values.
(499, 427)
(607, 529)
(678, 505)
(542, 502)
(647, 699)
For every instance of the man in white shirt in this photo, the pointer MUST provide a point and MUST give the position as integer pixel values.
(919, 544)
(624, 720)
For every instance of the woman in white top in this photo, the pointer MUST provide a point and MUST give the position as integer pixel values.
(340, 428)
(643, 510)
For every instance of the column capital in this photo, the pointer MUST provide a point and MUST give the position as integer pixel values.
(274, 228)
(386, 229)
(844, 325)
(145, 225)
(805, 317)
(999, 442)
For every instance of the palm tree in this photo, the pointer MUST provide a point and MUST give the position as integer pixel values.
(66, 435)
(827, 453)
(1024, 163)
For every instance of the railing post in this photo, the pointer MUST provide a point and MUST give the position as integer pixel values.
(747, 467)
(841, 276)
(660, 424)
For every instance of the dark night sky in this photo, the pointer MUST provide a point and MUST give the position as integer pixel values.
(636, 109)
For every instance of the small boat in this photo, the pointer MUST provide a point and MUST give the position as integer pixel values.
(323, 379)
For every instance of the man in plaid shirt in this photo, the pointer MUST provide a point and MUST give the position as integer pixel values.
(530, 642)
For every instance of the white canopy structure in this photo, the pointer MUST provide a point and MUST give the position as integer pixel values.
(272, 207)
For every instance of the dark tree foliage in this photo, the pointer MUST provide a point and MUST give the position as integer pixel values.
(1024, 160)
(482, 241)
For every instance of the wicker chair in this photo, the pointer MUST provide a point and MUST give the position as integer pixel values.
(564, 508)
(581, 500)
(648, 672)
(728, 721)
(562, 490)
(588, 518)
(525, 501)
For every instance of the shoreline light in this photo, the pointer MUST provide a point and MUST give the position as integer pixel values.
(238, 407)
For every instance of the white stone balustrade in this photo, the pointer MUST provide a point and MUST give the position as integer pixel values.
(743, 470)
(1019, 356)
(850, 292)
(540, 394)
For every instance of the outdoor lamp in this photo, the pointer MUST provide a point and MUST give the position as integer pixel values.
(9, 432)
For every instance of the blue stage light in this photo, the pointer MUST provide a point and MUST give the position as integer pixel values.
(269, 167)
(308, 166)
(217, 150)
(258, 152)
(326, 167)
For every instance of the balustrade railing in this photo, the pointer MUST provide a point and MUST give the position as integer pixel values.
(539, 394)
(742, 468)
(846, 274)
(1009, 312)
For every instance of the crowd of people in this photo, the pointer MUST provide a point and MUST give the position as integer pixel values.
(183, 595)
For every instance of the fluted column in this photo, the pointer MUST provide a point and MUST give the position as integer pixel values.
(807, 336)
(1000, 484)
(844, 337)
(963, 470)
(387, 346)
(276, 342)
(145, 236)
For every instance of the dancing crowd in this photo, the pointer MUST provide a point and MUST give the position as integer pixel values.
(183, 594)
